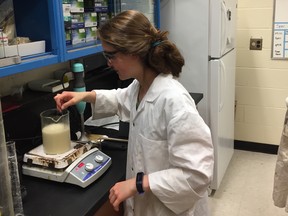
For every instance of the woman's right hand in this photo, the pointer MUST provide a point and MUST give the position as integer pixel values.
(67, 98)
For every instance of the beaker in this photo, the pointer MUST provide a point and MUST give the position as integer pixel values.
(55, 131)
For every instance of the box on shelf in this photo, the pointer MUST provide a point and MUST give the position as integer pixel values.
(77, 20)
(78, 36)
(101, 18)
(68, 37)
(91, 34)
(101, 9)
(77, 6)
(103, 2)
(67, 15)
(23, 49)
(89, 5)
(101, 6)
(90, 19)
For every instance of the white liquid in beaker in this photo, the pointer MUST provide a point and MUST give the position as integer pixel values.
(56, 138)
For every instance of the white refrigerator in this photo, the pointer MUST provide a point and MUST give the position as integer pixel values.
(204, 31)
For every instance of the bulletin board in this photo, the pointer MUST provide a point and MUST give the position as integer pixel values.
(280, 30)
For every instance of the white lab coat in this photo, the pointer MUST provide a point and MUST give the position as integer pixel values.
(169, 141)
(280, 189)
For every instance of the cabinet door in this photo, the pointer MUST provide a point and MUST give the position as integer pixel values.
(37, 20)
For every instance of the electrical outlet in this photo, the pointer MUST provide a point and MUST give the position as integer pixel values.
(256, 43)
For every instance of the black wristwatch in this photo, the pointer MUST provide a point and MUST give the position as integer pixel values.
(139, 182)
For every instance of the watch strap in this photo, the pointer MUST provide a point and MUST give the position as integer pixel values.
(139, 182)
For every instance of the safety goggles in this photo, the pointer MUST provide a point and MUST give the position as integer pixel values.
(109, 55)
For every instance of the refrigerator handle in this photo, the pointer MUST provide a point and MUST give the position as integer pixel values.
(225, 38)
(222, 84)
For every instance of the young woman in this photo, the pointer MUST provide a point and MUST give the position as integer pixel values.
(170, 153)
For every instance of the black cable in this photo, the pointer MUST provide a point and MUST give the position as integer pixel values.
(62, 80)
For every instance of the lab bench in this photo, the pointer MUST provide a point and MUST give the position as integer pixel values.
(49, 198)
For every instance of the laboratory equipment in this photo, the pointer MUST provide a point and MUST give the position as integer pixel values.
(79, 86)
(78, 166)
(59, 158)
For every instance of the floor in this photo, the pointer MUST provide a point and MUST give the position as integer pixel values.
(246, 189)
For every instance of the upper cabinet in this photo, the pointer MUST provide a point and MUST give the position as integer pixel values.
(34, 21)
(57, 30)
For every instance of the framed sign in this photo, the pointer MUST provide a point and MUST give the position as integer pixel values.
(280, 30)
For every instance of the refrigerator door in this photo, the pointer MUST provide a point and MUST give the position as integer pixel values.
(188, 24)
(222, 100)
(222, 27)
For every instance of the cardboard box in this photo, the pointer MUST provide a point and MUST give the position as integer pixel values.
(78, 36)
(91, 34)
(101, 6)
(101, 18)
(23, 49)
(68, 37)
(90, 19)
(77, 20)
(89, 5)
(77, 6)
(67, 15)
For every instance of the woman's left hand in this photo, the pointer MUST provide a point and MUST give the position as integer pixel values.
(122, 191)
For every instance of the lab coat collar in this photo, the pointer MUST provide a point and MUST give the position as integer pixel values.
(158, 85)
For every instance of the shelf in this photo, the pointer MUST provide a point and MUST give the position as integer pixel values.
(82, 51)
(43, 20)
(29, 64)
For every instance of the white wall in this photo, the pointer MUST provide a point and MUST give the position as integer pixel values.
(261, 83)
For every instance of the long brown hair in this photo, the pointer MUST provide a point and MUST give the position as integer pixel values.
(131, 32)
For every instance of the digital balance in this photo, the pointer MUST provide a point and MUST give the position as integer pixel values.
(81, 166)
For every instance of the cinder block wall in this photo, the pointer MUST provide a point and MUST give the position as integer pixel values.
(261, 83)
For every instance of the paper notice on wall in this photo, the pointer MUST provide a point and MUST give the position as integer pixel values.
(280, 42)
(280, 30)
